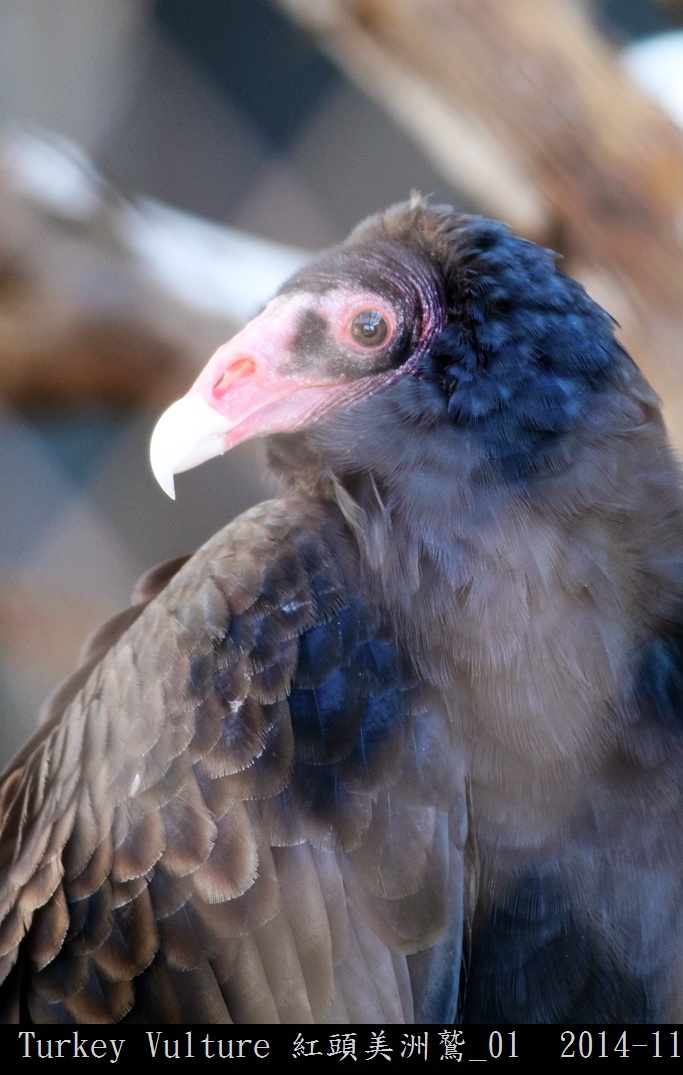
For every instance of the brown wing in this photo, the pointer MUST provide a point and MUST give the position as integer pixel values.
(243, 810)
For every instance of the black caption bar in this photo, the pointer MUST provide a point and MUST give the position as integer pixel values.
(310, 1046)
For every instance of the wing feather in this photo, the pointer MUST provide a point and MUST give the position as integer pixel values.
(231, 813)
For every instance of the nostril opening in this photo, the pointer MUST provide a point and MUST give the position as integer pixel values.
(241, 367)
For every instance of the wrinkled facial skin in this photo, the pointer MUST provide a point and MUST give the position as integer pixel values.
(366, 310)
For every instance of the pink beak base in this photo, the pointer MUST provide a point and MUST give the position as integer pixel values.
(242, 393)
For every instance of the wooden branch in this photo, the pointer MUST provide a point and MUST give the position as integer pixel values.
(107, 299)
(524, 106)
(535, 83)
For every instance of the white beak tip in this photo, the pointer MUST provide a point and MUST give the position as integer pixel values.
(187, 434)
(161, 456)
(167, 486)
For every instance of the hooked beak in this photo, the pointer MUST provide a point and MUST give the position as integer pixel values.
(249, 388)
(188, 433)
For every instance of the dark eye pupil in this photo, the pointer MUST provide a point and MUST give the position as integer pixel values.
(369, 328)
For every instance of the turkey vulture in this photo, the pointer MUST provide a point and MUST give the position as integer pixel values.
(405, 744)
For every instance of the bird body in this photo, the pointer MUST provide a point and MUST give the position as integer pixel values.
(405, 744)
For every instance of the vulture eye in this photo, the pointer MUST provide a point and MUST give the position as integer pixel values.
(369, 328)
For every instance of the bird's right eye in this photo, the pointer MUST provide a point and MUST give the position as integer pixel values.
(369, 328)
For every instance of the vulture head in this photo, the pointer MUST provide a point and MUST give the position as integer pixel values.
(429, 347)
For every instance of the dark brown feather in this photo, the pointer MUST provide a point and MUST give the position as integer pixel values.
(407, 744)
(174, 789)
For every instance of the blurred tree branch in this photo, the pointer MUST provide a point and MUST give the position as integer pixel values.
(109, 299)
(525, 107)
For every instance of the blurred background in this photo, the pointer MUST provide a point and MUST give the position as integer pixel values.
(165, 164)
